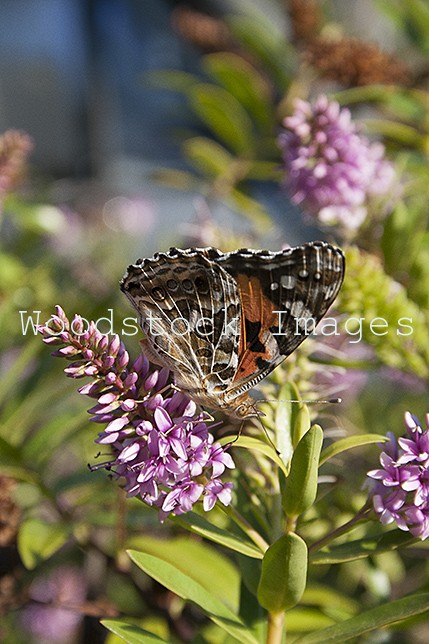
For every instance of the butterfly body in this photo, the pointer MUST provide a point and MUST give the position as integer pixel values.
(221, 322)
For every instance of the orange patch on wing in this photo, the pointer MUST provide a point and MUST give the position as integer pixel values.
(256, 308)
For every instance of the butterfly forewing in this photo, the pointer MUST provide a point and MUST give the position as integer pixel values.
(284, 295)
(184, 301)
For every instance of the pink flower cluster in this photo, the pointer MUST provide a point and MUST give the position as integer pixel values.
(401, 491)
(331, 170)
(161, 445)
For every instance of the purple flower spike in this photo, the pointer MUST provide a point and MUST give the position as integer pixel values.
(401, 491)
(161, 446)
(332, 171)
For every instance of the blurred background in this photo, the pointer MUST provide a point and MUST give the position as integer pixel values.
(77, 75)
(135, 125)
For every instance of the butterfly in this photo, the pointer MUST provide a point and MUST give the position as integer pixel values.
(221, 322)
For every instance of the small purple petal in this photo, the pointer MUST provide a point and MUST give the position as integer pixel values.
(117, 424)
(162, 419)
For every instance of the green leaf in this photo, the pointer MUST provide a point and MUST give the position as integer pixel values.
(199, 525)
(207, 156)
(370, 620)
(264, 171)
(10, 455)
(301, 485)
(398, 132)
(38, 540)
(11, 375)
(283, 420)
(250, 442)
(284, 573)
(224, 116)
(283, 423)
(267, 42)
(131, 633)
(302, 424)
(302, 620)
(330, 600)
(252, 209)
(177, 179)
(418, 16)
(40, 446)
(244, 82)
(184, 586)
(200, 561)
(362, 548)
(350, 443)
(19, 417)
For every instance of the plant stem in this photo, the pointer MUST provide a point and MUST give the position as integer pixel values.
(247, 528)
(275, 628)
(342, 529)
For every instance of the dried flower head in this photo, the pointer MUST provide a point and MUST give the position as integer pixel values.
(202, 30)
(305, 17)
(352, 62)
(15, 147)
(331, 170)
(401, 491)
(161, 445)
(9, 512)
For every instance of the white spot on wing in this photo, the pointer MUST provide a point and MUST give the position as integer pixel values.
(288, 281)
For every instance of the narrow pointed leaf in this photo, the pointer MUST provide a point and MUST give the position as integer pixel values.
(284, 573)
(208, 156)
(11, 375)
(38, 540)
(375, 618)
(243, 81)
(302, 424)
(252, 209)
(178, 179)
(362, 548)
(131, 633)
(267, 42)
(223, 114)
(249, 442)
(184, 586)
(199, 525)
(350, 443)
(201, 561)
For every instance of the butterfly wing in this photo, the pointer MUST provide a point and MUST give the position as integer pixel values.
(283, 296)
(183, 298)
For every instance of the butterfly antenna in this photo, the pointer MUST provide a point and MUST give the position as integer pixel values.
(328, 401)
(106, 465)
(268, 437)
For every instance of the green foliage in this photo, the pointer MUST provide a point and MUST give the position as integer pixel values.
(362, 548)
(387, 319)
(184, 585)
(266, 41)
(370, 620)
(131, 633)
(39, 540)
(412, 18)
